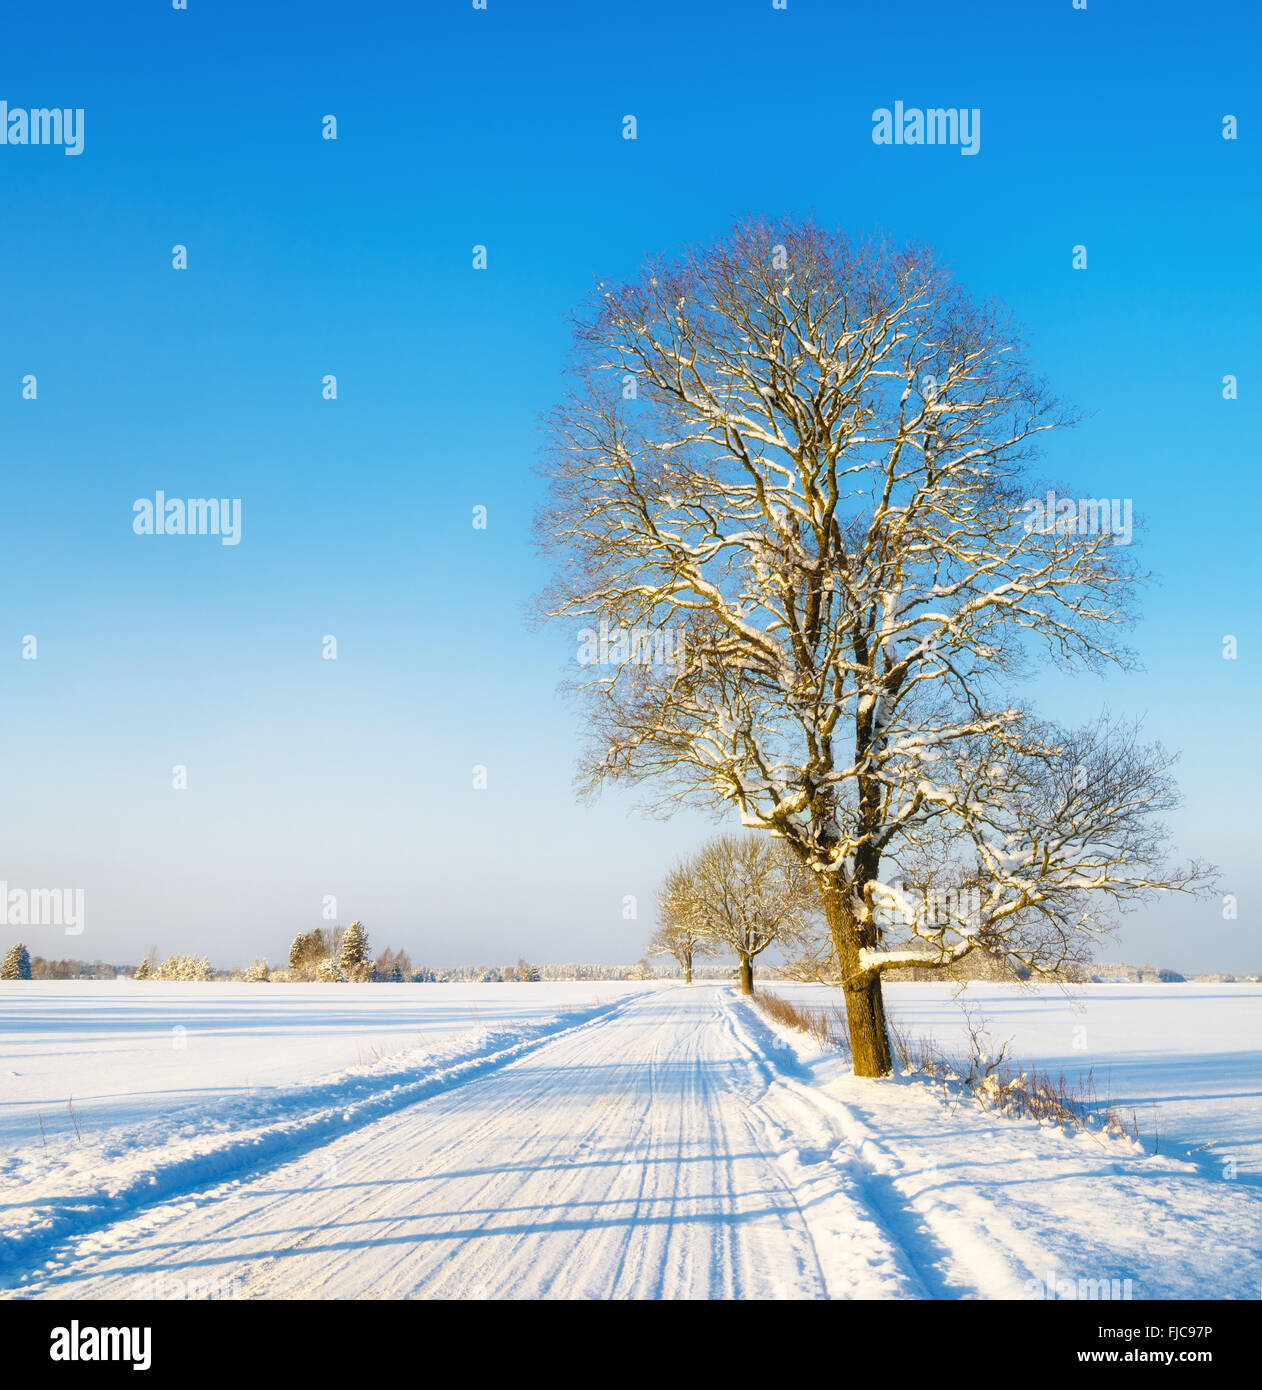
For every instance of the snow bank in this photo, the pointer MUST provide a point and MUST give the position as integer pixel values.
(1184, 1059)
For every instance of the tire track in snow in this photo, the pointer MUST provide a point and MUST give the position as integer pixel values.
(953, 1252)
(617, 1160)
(838, 1209)
(72, 1220)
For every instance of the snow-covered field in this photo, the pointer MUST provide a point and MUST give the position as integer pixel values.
(1184, 1060)
(604, 1140)
(127, 1052)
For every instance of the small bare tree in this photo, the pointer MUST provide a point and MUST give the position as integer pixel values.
(681, 932)
(810, 457)
(744, 893)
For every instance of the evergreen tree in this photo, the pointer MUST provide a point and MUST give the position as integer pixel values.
(355, 962)
(392, 966)
(17, 963)
(305, 955)
(142, 970)
(180, 967)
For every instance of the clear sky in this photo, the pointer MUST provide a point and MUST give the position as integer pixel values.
(457, 127)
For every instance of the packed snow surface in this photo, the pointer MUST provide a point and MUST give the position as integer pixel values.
(590, 1141)
(125, 1051)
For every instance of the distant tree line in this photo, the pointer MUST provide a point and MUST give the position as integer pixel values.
(695, 957)
(325, 955)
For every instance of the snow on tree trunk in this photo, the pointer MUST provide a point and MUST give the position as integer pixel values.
(747, 975)
(861, 988)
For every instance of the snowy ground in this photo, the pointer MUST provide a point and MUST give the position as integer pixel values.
(127, 1052)
(1185, 1060)
(584, 1141)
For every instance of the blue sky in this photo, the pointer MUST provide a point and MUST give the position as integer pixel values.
(457, 127)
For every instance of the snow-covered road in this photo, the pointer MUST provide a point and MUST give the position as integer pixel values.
(674, 1147)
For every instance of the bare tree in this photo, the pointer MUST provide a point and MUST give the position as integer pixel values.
(744, 893)
(681, 932)
(811, 458)
(392, 966)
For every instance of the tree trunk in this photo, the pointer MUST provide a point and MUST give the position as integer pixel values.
(865, 1004)
(747, 975)
(687, 974)
(865, 1017)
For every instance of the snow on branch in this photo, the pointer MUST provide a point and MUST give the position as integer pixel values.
(813, 458)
